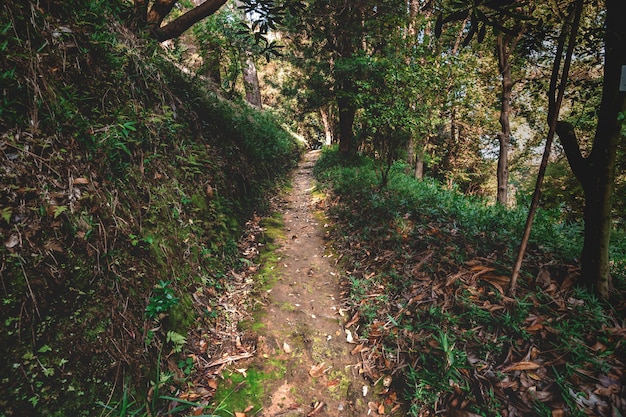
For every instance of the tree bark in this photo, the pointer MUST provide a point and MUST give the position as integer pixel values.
(159, 10)
(179, 25)
(596, 172)
(140, 14)
(556, 92)
(504, 137)
(325, 115)
(347, 111)
(251, 81)
(212, 64)
(419, 166)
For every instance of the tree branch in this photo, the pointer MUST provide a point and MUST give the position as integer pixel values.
(158, 11)
(568, 139)
(177, 26)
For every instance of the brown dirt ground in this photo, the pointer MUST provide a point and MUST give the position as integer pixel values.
(304, 321)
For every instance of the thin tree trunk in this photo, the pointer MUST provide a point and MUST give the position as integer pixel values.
(556, 92)
(419, 166)
(411, 39)
(504, 137)
(213, 67)
(328, 125)
(251, 81)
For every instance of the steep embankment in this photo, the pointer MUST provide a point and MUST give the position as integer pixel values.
(124, 187)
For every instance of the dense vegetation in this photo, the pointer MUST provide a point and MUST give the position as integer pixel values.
(427, 270)
(125, 186)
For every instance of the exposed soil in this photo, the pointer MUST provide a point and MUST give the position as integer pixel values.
(303, 324)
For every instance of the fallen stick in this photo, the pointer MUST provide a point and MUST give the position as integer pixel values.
(230, 359)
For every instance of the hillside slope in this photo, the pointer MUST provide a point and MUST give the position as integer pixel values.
(124, 187)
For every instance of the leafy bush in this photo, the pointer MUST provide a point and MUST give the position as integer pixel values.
(469, 217)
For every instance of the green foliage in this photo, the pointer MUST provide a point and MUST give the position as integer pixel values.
(439, 370)
(240, 390)
(161, 300)
(419, 240)
(428, 202)
(177, 340)
(143, 176)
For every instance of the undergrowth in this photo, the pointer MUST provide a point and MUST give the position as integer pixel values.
(427, 270)
(125, 186)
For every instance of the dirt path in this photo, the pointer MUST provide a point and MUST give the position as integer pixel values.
(303, 324)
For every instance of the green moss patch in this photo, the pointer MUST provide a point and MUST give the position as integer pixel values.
(243, 389)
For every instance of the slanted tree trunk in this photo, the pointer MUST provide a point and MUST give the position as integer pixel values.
(153, 16)
(158, 11)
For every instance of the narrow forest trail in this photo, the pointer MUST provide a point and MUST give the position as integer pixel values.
(302, 326)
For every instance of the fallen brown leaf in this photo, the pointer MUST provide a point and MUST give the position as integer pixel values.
(318, 370)
(353, 320)
(522, 366)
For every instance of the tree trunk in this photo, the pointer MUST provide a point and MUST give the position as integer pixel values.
(158, 11)
(504, 137)
(251, 81)
(140, 12)
(596, 172)
(411, 39)
(179, 25)
(212, 65)
(595, 270)
(419, 166)
(328, 124)
(347, 111)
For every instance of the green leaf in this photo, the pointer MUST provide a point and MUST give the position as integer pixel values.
(58, 210)
(7, 212)
(44, 349)
(177, 339)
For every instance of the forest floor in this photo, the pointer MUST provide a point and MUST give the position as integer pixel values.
(304, 359)
(304, 321)
(305, 338)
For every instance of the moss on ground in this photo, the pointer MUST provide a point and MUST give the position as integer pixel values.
(245, 389)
